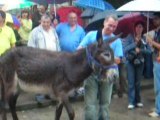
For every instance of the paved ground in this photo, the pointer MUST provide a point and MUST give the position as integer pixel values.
(118, 108)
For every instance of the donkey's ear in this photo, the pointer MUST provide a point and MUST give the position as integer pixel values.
(112, 39)
(99, 38)
(100, 42)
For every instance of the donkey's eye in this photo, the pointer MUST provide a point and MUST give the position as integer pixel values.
(106, 54)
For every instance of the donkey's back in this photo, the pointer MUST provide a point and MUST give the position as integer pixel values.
(34, 70)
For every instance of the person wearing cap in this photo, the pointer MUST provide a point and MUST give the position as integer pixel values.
(7, 36)
(155, 43)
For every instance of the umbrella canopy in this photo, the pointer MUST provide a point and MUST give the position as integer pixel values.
(17, 5)
(12, 20)
(64, 11)
(98, 19)
(141, 5)
(44, 2)
(90, 12)
(99, 4)
(126, 23)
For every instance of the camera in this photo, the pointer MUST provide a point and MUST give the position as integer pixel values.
(131, 55)
(136, 59)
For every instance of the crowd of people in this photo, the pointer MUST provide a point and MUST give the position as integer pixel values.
(44, 31)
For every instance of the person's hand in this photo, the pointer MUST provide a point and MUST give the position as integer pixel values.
(55, 21)
(149, 39)
(20, 20)
(137, 50)
(117, 60)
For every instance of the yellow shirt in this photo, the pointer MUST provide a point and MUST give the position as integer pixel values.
(7, 38)
(25, 29)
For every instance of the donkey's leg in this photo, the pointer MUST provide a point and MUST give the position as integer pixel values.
(3, 102)
(12, 105)
(69, 108)
(59, 108)
(4, 110)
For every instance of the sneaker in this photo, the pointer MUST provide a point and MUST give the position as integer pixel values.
(153, 114)
(40, 98)
(130, 106)
(80, 91)
(140, 104)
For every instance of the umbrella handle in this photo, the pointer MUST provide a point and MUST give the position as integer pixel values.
(147, 23)
(55, 12)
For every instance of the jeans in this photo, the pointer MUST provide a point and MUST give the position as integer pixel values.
(97, 98)
(148, 66)
(134, 74)
(122, 78)
(156, 72)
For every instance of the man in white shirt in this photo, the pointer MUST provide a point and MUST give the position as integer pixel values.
(44, 37)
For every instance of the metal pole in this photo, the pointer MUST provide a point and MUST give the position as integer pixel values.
(70, 2)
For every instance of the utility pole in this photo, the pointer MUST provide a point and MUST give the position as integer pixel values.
(70, 2)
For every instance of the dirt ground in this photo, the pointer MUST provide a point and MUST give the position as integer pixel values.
(118, 110)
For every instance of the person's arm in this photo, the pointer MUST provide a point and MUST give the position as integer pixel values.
(32, 39)
(27, 26)
(128, 44)
(118, 51)
(57, 40)
(12, 39)
(153, 43)
(58, 29)
(86, 41)
(146, 48)
(82, 35)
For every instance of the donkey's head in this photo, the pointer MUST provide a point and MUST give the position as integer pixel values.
(101, 56)
(102, 52)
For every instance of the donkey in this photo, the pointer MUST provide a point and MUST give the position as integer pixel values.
(54, 73)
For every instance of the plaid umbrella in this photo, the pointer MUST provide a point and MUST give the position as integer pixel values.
(44, 2)
(99, 4)
(12, 20)
(90, 12)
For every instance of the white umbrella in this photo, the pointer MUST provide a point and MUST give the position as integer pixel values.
(141, 5)
(7, 5)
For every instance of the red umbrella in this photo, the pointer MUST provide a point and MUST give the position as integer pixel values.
(64, 11)
(126, 23)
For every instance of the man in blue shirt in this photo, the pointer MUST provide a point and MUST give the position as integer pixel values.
(95, 89)
(70, 34)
